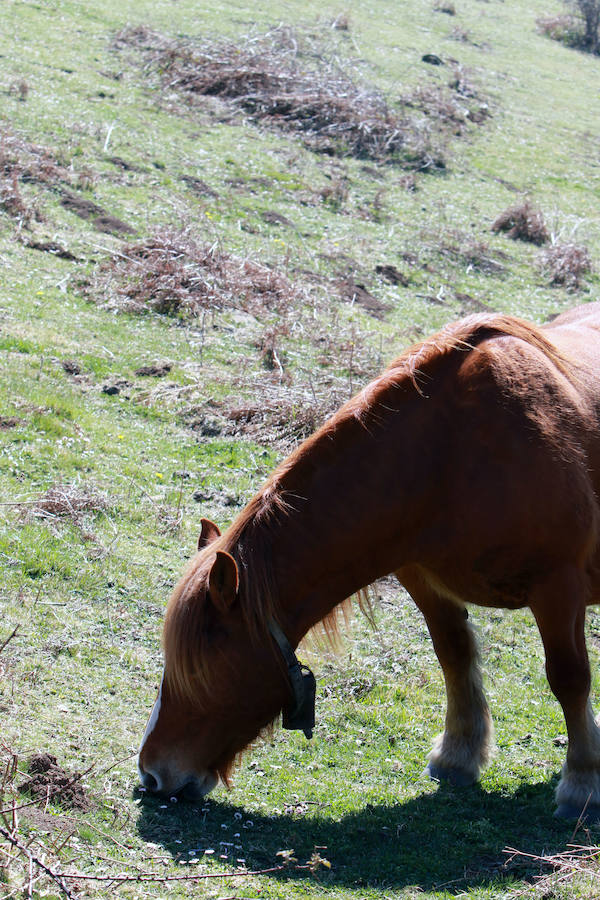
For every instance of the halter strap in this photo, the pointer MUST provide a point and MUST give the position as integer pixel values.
(301, 716)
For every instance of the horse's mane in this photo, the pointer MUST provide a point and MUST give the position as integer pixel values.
(248, 539)
(468, 333)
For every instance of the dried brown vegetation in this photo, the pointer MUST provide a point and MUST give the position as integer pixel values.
(579, 27)
(70, 501)
(173, 273)
(283, 417)
(566, 264)
(522, 222)
(472, 253)
(22, 162)
(277, 81)
(563, 28)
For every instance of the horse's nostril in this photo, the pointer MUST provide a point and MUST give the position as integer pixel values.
(149, 781)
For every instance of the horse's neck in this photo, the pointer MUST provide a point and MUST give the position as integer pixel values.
(345, 528)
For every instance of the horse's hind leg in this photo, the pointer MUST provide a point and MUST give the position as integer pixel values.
(463, 748)
(559, 609)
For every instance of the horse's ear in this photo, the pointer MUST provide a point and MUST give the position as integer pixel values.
(208, 532)
(223, 581)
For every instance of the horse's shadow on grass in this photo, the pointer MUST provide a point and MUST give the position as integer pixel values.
(451, 839)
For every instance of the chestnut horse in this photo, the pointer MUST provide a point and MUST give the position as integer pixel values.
(471, 469)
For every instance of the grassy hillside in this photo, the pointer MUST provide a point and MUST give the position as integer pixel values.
(189, 286)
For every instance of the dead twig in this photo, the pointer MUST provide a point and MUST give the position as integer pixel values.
(576, 860)
(9, 638)
(157, 877)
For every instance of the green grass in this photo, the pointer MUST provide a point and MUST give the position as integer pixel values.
(88, 594)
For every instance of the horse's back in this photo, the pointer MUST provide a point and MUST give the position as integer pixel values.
(586, 316)
(526, 471)
(576, 333)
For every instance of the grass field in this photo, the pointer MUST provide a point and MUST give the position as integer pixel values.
(298, 270)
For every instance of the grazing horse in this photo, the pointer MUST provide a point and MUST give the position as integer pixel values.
(471, 469)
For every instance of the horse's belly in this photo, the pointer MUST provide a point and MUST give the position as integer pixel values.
(508, 591)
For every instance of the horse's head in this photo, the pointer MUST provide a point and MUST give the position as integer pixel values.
(221, 685)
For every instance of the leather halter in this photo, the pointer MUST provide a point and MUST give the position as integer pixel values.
(301, 715)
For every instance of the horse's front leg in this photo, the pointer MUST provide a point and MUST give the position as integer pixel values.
(559, 609)
(463, 748)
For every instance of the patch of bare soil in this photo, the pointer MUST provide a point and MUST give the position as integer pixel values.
(154, 370)
(199, 187)
(71, 366)
(270, 217)
(392, 274)
(54, 248)
(281, 81)
(173, 273)
(124, 165)
(7, 422)
(99, 217)
(47, 781)
(357, 293)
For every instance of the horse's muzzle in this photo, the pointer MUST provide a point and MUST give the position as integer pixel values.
(190, 787)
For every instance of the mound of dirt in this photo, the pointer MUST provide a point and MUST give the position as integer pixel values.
(48, 781)
(357, 293)
(154, 370)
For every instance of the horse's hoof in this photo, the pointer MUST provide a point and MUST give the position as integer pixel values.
(453, 776)
(590, 815)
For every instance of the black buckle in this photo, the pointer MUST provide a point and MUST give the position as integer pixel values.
(301, 715)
